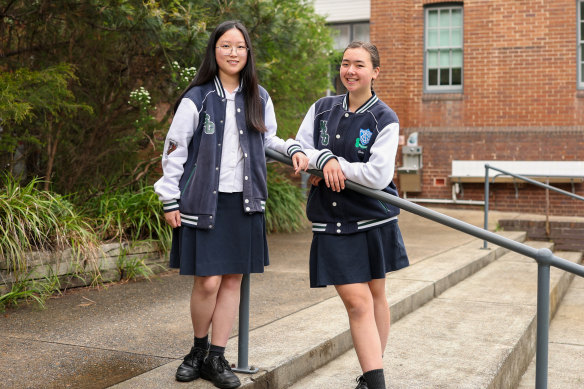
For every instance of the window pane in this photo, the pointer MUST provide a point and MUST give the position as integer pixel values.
(433, 77)
(432, 59)
(445, 37)
(456, 76)
(582, 30)
(444, 77)
(433, 38)
(361, 32)
(445, 18)
(581, 11)
(456, 58)
(342, 35)
(444, 59)
(456, 37)
(456, 18)
(432, 18)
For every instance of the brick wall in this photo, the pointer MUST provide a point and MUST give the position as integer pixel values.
(519, 99)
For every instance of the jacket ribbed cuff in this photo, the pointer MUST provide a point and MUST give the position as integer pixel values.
(169, 206)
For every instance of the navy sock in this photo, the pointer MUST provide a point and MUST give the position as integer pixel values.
(374, 379)
(202, 342)
(215, 351)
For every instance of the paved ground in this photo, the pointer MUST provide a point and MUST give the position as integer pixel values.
(95, 338)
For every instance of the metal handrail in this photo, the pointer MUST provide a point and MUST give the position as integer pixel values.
(544, 257)
(534, 182)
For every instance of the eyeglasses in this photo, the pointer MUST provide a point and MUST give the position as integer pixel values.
(227, 49)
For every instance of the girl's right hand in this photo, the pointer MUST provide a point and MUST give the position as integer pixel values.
(333, 175)
(173, 218)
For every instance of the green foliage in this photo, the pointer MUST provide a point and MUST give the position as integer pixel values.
(36, 220)
(28, 289)
(285, 204)
(132, 267)
(127, 214)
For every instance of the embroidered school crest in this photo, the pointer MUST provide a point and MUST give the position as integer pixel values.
(172, 145)
(324, 137)
(364, 138)
(209, 126)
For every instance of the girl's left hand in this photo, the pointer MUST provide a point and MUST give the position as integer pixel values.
(300, 162)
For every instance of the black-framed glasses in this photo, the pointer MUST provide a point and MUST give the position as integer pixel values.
(228, 49)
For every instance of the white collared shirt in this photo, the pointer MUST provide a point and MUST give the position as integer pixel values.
(231, 173)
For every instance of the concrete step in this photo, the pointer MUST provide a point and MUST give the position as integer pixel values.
(292, 347)
(566, 343)
(479, 333)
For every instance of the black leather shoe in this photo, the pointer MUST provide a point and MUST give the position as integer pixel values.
(190, 369)
(361, 383)
(217, 370)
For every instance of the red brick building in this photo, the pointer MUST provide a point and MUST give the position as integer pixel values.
(493, 80)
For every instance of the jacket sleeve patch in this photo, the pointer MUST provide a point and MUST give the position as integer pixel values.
(172, 145)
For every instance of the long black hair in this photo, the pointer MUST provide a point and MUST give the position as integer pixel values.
(209, 69)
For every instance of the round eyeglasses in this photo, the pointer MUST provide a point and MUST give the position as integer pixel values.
(228, 49)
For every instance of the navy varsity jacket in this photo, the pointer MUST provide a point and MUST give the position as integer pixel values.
(192, 155)
(365, 144)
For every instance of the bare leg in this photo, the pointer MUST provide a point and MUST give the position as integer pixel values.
(203, 301)
(358, 301)
(226, 308)
(381, 309)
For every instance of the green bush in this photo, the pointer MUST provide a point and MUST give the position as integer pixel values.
(285, 204)
(127, 214)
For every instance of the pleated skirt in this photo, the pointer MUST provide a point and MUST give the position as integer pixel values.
(236, 245)
(356, 258)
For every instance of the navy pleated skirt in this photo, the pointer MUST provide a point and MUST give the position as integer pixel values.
(236, 245)
(355, 258)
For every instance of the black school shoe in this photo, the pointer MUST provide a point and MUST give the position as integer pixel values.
(190, 369)
(217, 370)
(361, 383)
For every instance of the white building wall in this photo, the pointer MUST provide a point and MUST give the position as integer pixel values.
(337, 11)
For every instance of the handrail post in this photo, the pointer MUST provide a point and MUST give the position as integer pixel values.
(543, 318)
(243, 334)
(486, 209)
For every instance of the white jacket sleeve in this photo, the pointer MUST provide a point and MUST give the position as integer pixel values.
(317, 158)
(184, 123)
(288, 147)
(378, 171)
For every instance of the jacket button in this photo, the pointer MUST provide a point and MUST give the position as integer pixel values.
(339, 231)
(245, 155)
(247, 209)
(238, 110)
(219, 144)
(211, 226)
(246, 201)
(217, 168)
(241, 132)
(338, 224)
(346, 114)
(214, 192)
(220, 121)
(245, 178)
(334, 203)
(211, 217)
(338, 136)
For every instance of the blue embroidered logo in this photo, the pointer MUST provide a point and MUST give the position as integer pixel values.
(364, 138)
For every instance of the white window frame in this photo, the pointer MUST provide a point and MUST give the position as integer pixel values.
(580, 47)
(442, 50)
(351, 25)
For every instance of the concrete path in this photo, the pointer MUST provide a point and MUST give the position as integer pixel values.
(135, 334)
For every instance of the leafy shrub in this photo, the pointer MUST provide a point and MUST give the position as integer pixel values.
(37, 220)
(285, 204)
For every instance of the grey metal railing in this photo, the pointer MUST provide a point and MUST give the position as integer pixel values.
(544, 257)
(523, 178)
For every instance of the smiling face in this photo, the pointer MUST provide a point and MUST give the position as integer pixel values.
(231, 62)
(357, 71)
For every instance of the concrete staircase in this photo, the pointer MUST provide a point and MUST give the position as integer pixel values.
(464, 318)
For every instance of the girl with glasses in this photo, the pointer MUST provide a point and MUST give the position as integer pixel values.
(214, 192)
(356, 239)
